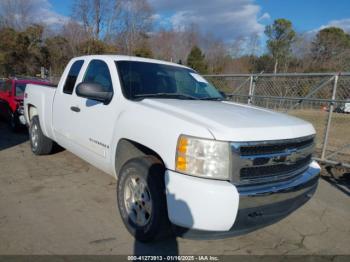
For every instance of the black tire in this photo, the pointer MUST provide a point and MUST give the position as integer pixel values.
(14, 122)
(40, 144)
(151, 171)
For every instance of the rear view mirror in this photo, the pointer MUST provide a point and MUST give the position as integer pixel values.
(94, 91)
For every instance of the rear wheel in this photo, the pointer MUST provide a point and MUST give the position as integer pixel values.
(142, 200)
(40, 144)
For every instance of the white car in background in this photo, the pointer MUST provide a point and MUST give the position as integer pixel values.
(345, 108)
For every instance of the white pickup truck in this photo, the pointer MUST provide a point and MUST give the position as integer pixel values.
(186, 160)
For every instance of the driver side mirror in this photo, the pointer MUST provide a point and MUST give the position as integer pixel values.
(94, 91)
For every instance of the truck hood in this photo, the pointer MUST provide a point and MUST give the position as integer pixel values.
(230, 121)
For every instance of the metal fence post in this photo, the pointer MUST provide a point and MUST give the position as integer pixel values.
(251, 89)
(331, 108)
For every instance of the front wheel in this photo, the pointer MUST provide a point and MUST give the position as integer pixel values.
(142, 200)
(40, 144)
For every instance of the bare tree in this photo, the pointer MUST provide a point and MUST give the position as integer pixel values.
(216, 53)
(175, 45)
(237, 47)
(17, 14)
(135, 20)
(82, 11)
(301, 51)
(112, 23)
(75, 34)
(253, 44)
(94, 15)
(162, 44)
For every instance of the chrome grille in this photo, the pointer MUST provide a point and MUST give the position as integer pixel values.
(273, 148)
(270, 161)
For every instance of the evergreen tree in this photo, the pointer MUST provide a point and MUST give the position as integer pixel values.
(331, 50)
(280, 35)
(196, 60)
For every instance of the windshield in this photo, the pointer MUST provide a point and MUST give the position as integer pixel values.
(142, 79)
(20, 88)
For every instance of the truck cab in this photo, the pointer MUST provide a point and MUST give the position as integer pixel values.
(184, 157)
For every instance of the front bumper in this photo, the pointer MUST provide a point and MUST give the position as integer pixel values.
(204, 208)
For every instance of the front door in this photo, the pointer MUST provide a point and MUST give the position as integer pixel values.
(94, 123)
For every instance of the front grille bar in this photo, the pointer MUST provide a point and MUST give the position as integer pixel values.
(257, 172)
(273, 148)
(270, 161)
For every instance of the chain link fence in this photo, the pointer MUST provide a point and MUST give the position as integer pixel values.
(320, 98)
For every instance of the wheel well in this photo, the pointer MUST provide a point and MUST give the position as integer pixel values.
(128, 149)
(32, 111)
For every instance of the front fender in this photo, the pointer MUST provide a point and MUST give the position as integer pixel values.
(157, 130)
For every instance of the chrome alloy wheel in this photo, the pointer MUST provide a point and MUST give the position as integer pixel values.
(34, 135)
(137, 200)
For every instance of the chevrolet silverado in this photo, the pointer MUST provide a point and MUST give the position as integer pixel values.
(186, 159)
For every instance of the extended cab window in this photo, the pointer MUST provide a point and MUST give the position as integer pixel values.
(72, 77)
(98, 72)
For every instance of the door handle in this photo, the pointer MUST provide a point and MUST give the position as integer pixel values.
(75, 109)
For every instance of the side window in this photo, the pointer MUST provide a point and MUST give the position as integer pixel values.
(20, 88)
(72, 77)
(98, 72)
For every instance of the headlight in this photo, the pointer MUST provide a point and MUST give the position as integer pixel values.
(203, 157)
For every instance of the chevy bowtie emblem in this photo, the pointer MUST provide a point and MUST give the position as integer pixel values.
(292, 156)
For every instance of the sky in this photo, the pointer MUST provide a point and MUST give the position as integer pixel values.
(230, 19)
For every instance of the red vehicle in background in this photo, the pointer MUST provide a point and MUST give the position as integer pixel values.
(11, 99)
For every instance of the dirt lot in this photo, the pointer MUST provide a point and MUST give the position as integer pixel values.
(339, 134)
(59, 204)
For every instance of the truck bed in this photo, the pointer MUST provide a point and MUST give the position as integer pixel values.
(42, 97)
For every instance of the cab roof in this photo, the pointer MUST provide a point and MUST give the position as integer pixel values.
(127, 58)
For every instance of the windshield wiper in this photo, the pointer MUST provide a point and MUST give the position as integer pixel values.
(212, 98)
(167, 95)
(178, 96)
